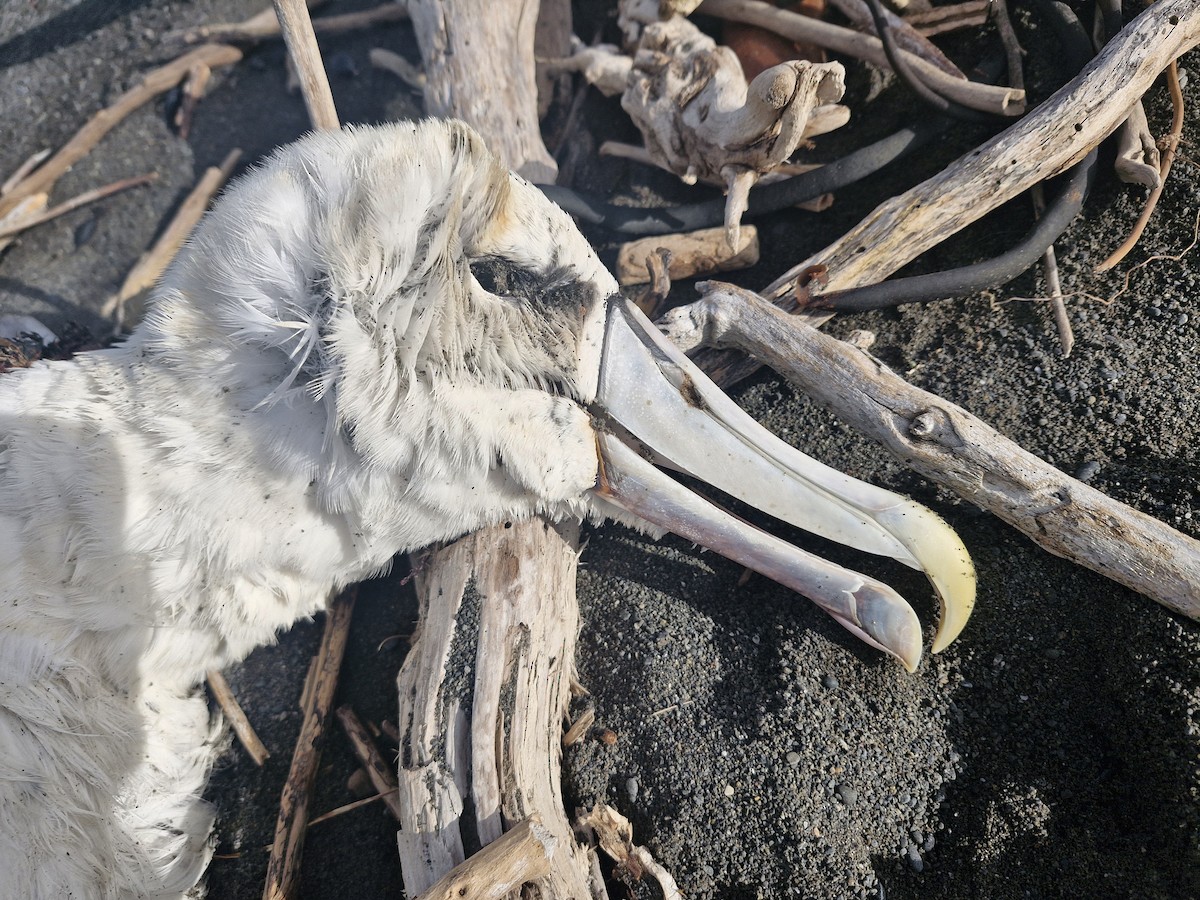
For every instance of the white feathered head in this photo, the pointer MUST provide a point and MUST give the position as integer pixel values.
(437, 347)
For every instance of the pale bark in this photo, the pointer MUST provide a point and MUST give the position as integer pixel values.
(479, 67)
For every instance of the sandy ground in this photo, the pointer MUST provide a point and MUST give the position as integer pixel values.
(1054, 751)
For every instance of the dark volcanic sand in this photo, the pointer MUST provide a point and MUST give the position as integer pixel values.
(1054, 751)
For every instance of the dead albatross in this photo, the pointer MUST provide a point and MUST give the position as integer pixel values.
(378, 340)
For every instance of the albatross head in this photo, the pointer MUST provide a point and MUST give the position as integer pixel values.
(434, 345)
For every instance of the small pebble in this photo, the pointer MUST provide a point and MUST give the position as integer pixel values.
(847, 794)
(85, 230)
(729, 790)
(1181, 319)
(830, 682)
(914, 859)
(793, 758)
(631, 788)
(1088, 470)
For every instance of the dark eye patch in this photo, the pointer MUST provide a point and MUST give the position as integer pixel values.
(555, 287)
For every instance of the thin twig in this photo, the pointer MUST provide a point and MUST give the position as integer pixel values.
(350, 807)
(265, 25)
(152, 84)
(1168, 157)
(236, 716)
(154, 262)
(14, 228)
(283, 870)
(381, 773)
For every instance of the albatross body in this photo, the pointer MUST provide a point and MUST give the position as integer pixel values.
(379, 340)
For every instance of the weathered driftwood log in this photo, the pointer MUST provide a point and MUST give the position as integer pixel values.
(1051, 138)
(479, 67)
(508, 746)
(701, 119)
(948, 445)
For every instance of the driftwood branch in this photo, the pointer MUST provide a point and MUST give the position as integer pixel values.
(1051, 138)
(615, 834)
(948, 445)
(522, 855)
(160, 80)
(283, 869)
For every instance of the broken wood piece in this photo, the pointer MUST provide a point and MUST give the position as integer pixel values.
(580, 727)
(32, 162)
(236, 716)
(906, 37)
(380, 772)
(951, 447)
(398, 66)
(265, 25)
(283, 868)
(154, 262)
(152, 84)
(521, 856)
(27, 214)
(692, 253)
(615, 835)
(1054, 136)
(984, 97)
(497, 49)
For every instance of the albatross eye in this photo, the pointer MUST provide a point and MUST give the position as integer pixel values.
(556, 286)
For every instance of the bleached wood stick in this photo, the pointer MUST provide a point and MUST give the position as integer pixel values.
(302, 48)
(32, 162)
(948, 445)
(154, 262)
(985, 97)
(283, 869)
(907, 37)
(162, 79)
(522, 855)
(233, 712)
(1051, 138)
(615, 834)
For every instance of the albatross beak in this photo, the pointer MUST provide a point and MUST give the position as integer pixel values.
(650, 391)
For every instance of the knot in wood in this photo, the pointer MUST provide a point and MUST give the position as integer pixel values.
(923, 426)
